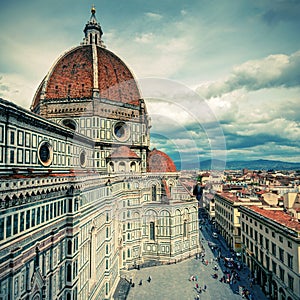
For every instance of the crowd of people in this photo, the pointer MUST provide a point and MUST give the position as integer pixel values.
(225, 269)
(197, 287)
(228, 276)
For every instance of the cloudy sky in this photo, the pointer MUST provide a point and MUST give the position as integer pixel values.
(221, 78)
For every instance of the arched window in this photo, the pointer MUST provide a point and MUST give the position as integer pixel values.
(69, 272)
(121, 167)
(111, 167)
(152, 231)
(70, 202)
(106, 288)
(164, 223)
(185, 229)
(177, 222)
(70, 247)
(133, 167)
(92, 249)
(37, 297)
(153, 192)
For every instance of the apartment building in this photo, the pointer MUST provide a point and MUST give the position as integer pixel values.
(271, 249)
(227, 217)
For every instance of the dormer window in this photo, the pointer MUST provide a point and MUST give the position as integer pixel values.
(69, 89)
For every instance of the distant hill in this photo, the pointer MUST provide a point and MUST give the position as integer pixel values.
(260, 164)
(263, 164)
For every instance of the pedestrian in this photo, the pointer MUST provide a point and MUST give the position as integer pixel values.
(204, 287)
(141, 282)
(197, 285)
(149, 279)
(198, 297)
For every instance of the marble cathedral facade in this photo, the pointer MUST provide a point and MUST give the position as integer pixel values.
(81, 194)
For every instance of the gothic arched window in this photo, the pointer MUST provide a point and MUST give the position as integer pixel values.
(153, 192)
(185, 229)
(152, 231)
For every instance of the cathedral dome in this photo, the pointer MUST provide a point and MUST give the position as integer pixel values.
(123, 152)
(159, 161)
(86, 72)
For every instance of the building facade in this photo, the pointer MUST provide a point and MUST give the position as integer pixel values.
(271, 246)
(82, 195)
(227, 217)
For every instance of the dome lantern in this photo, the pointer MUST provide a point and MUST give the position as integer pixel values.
(92, 31)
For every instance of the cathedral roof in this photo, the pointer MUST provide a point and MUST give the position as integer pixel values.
(88, 71)
(123, 152)
(159, 161)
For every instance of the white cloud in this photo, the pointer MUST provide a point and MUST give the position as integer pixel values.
(278, 127)
(144, 38)
(183, 12)
(269, 150)
(272, 71)
(153, 16)
(17, 89)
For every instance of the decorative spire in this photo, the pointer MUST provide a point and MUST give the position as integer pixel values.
(92, 31)
(93, 9)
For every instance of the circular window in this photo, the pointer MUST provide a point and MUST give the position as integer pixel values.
(82, 158)
(45, 154)
(121, 131)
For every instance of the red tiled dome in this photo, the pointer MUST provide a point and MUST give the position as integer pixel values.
(79, 73)
(159, 161)
(123, 152)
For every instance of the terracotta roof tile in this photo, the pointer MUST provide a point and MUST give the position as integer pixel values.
(123, 152)
(159, 161)
(278, 216)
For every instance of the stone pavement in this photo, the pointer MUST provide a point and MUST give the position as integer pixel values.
(173, 281)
